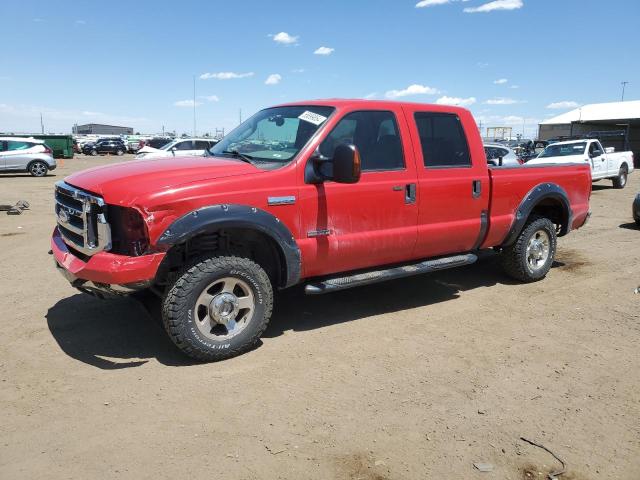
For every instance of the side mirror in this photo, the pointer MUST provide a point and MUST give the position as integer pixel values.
(173, 150)
(344, 167)
(346, 164)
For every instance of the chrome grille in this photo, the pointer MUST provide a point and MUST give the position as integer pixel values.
(81, 219)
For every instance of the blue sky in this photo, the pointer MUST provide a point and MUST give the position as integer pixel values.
(133, 63)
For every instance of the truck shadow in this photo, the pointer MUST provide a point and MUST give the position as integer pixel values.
(299, 312)
(110, 334)
(123, 333)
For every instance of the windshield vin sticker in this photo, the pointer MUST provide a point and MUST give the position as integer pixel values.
(311, 117)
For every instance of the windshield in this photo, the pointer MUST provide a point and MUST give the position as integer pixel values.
(564, 150)
(273, 135)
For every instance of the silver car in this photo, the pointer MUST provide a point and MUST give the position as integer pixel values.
(500, 155)
(19, 154)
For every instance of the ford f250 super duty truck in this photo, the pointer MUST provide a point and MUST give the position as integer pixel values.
(332, 194)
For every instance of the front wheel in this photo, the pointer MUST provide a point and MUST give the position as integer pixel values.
(530, 258)
(621, 180)
(94, 153)
(218, 307)
(38, 169)
(119, 152)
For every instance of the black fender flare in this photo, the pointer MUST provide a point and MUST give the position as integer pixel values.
(531, 199)
(216, 217)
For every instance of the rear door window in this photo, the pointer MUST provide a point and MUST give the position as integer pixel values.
(442, 138)
(202, 145)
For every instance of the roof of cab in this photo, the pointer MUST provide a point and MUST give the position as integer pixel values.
(352, 102)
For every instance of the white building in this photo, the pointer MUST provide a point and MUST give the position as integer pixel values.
(617, 124)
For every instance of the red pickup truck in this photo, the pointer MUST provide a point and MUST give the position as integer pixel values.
(332, 193)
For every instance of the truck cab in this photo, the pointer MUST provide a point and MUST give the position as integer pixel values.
(332, 194)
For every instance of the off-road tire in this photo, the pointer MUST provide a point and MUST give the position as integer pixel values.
(38, 169)
(514, 257)
(621, 180)
(179, 302)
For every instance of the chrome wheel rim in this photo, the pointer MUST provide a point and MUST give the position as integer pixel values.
(38, 169)
(623, 178)
(224, 308)
(538, 250)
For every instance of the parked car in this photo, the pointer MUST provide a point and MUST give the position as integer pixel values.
(155, 142)
(636, 210)
(500, 155)
(604, 163)
(19, 154)
(105, 145)
(332, 193)
(133, 145)
(182, 146)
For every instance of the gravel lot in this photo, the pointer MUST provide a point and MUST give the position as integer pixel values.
(415, 378)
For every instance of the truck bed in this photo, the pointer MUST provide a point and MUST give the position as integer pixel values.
(509, 185)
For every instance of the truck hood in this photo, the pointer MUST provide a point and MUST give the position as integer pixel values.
(123, 183)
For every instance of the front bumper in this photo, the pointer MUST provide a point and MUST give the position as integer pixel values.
(105, 273)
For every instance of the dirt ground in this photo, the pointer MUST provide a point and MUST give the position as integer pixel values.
(415, 378)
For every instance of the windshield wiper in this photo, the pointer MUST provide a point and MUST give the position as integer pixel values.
(237, 154)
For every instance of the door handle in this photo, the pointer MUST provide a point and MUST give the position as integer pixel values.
(476, 188)
(410, 193)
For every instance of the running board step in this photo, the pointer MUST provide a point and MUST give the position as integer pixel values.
(367, 278)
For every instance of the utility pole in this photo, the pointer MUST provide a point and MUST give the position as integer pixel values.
(41, 124)
(624, 84)
(194, 106)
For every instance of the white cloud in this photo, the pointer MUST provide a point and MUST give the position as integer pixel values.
(81, 22)
(324, 51)
(211, 98)
(414, 89)
(186, 103)
(500, 81)
(88, 113)
(285, 39)
(298, 70)
(38, 20)
(496, 5)
(482, 64)
(273, 79)
(502, 101)
(456, 101)
(225, 75)
(431, 3)
(370, 96)
(565, 104)
(514, 87)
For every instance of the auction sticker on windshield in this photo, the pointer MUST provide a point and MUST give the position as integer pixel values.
(311, 117)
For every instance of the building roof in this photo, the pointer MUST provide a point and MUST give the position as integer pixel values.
(598, 112)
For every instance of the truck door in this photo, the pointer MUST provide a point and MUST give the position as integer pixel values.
(453, 182)
(372, 222)
(598, 159)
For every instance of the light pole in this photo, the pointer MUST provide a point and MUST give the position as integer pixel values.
(194, 106)
(624, 84)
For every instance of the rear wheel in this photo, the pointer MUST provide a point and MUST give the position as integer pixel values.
(38, 168)
(621, 180)
(119, 152)
(218, 307)
(94, 153)
(530, 258)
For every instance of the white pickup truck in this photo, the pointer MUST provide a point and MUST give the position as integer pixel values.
(605, 163)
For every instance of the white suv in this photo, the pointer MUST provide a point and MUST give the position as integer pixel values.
(19, 154)
(180, 146)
